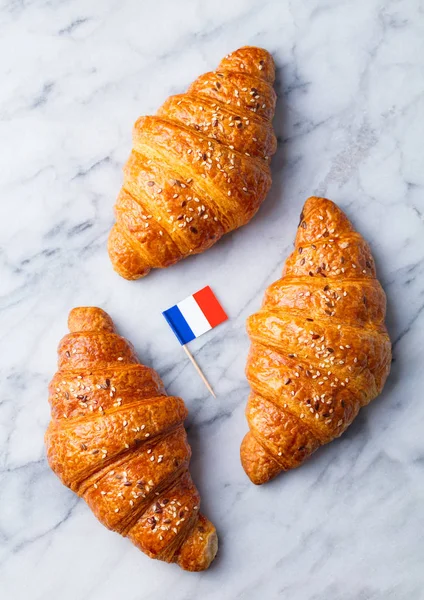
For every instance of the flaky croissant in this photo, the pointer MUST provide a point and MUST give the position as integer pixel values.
(320, 349)
(118, 441)
(199, 168)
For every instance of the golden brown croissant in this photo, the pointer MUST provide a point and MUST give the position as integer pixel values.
(199, 168)
(320, 349)
(118, 440)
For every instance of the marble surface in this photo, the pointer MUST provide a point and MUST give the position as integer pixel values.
(350, 120)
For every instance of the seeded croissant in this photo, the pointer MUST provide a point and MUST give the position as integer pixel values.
(320, 349)
(199, 168)
(118, 441)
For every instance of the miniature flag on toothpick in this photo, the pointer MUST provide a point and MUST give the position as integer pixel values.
(192, 317)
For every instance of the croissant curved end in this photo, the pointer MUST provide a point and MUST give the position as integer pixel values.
(200, 548)
(125, 260)
(256, 461)
(89, 318)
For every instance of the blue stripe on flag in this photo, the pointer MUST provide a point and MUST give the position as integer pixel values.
(179, 325)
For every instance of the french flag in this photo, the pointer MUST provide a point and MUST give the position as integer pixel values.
(195, 315)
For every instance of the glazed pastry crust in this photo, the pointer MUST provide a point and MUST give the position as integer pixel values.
(118, 440)
(199, 168)
(320, 349)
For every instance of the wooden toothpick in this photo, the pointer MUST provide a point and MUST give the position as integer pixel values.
(198, 369)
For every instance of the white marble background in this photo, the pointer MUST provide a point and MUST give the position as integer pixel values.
(74, 75)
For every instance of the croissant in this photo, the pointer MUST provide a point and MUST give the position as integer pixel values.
(199, 168)
(320, 349)
(118, 441)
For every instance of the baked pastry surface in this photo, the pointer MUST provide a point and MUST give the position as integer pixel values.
(118, 441)
(199, 168)
(320, 349)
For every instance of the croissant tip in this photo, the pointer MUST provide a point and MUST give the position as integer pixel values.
(314, 201)
(125, 260)
(89, 318)
(200, 548)
(258, 465)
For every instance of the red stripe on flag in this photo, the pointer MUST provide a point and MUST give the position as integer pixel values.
(210, 306)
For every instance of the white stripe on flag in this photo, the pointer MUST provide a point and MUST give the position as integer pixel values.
(194, 316)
